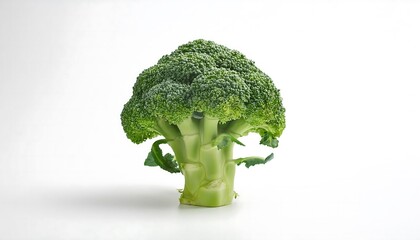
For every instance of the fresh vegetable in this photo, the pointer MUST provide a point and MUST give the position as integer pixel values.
(201, 98)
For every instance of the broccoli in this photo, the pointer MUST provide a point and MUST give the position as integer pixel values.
(201, 98)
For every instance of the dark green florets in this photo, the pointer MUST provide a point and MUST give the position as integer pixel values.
(202, 76)
(185, 67)
(169, 100)
(265, 107)
(220, 93)
(136, 122)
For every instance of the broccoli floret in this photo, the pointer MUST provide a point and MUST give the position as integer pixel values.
(201, 98)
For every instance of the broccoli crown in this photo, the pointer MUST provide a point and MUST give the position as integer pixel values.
(205, 77)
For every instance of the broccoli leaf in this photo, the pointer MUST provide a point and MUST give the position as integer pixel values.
(223, 140)
(269, 140)
(251, 161)
(156, 158)
(150, 160)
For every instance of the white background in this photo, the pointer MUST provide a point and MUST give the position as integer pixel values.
(348, 163)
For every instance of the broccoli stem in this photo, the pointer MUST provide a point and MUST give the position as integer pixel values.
(208, 171)
(238, 128)
(209, 182)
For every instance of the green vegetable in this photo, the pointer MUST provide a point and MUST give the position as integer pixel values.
(201, 98)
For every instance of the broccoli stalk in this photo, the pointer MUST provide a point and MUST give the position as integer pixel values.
(208, 171)
(201, 98)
